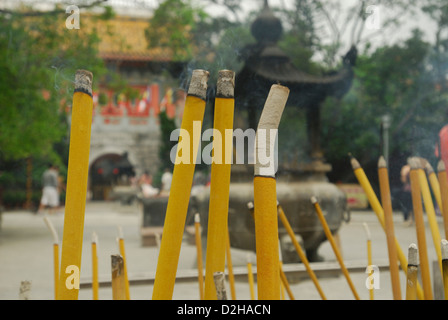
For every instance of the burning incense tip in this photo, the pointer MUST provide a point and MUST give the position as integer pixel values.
(198, 84)
(355, 164)
(382, 162)
(428, 167)
(197, 218)
(366, 227)
(52, 230)
(313, 200)
(444, 249)
(441, 166)
(94, 237)
(413, 255)
(83, 81)
(414, 163)
(250, 205)
(225, 84)
(120, 233)
(220, 285)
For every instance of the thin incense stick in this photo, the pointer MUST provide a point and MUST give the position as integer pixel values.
(197, 228)
(443, 182)
(182, 181)
(250, 277)
(220, 181)
(430, 212)
(389, 224)
(77, 176)
(95, 284)
(434, 182)
(377, 208)
(300, 251)
(55, 254)
(369, 255)
(125, 264)
(327, 232)
(230, 267)
(420, 227)
(412, 275)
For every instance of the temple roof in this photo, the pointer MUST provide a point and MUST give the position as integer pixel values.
(123, 38)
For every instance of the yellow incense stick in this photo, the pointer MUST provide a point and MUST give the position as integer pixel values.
(443, 182)
(300, 251)
(182, 181)
(327, 232)
(377, 208)
(220, 181)
(285, 283)
(369, 256)
(434, 182)
(118, 280)
(55, 254)
(411, 277)
(389, 224)
(95, 284)
(430, 212)
(230, 267)
(197, 228)
(125, 265)
(265, 195)
(76, 194)
(250, 278)
(420, 227)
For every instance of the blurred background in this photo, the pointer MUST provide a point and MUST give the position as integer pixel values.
(142, 53)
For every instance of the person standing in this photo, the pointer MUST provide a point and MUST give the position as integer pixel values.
(167, 177)
(50, 189)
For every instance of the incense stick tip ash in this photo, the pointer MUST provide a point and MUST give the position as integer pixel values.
(52, 230)
(355, 163)
(197, 218)
(94, 237)
(428, 168)
(414, 163)
(198, 83)
(382, 162)
(440, 166)
(83, 81)
(250, 205)
(219, 279)
(226, 84)
(366, 227)
(120, 232)
(413, 255)
(313, 200)
(444, 249)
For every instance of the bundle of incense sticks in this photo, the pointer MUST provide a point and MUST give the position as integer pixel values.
(421, 196)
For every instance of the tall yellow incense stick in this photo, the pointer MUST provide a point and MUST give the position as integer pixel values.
(411, 277)
(197, 228)
(420, 226)
(265, 195)
(118, 280)
(77, 175)
(327, 232)
(95, 284)
(444, 245)
(389, 224)
(250, 278)
(220, 181)
(55, 254)
(369, 257)
(434, 182)
(230, 267)
(430, 212)
(443, 182)
(299, 250)
(125, 264)
(376, 207)
(182, 181)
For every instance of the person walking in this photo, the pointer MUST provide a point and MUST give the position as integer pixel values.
(50, 189)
